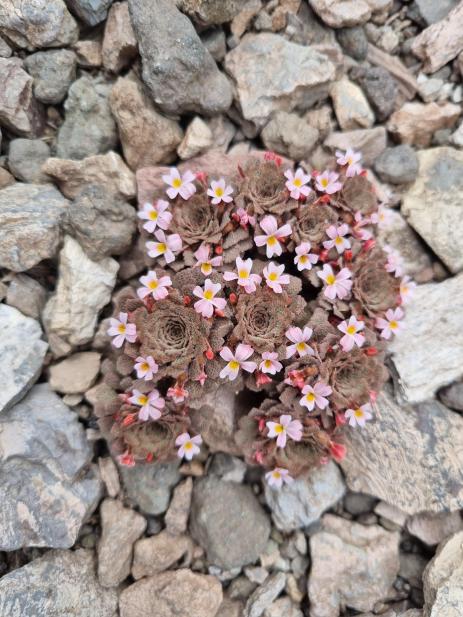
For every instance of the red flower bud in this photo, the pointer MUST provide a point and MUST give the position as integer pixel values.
(371, 351)
(186, 300)
(218, 250)
(262, 379)
(149, 457)
(209, 354)
(338, 451)
(348, 255)
(126, 459)
(369, 244)
(233, 298)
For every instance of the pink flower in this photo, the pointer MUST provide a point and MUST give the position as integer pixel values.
(392, 323)
(359, 416)
(275, 278)
(243, 218)
(336, 286)
(277, 477)
(220, 192)
(236, 361)
(155, 215)
(203, 260)
(177, 393)
(304, 259)
(327, 182)
(146, 367)
(150, 404)
(407, 287)
(180, 185)
(244, 278)
(394, 263)
(297, 183)
(165, 246)
(205, 306)
(286, 427)
(299, 339)
(337, 239)
(351, 159)
(351, 331)
(121, 330)
(154, 286)
(270, 363)
(360, 221)
(315, 395)
(188, 447)
(383, 217)
(273, 235)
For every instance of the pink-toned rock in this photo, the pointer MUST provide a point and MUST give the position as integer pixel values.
(119, 43)
(88, 54)
(159, 552)
(415, 123)
(19, 110)
(441, 42)
(342, 13)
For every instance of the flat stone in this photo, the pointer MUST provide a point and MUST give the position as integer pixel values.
(351, 106)
(380, 88)
(443, 580)
(108, 170)
(109, 476)
(429, 354)
(31, 217)
(19, 110)
(5, 49)
(22, 353)
(179, 71)
(352, 566)
(159, 553)
(91, 12)
(370, 142)
(150, 486)
(176, 518)
(353, 41)
(101, 222)
(272, 74)
(283, 607)
(26, 157)
(264, 595)
(197, 139)
(89, 127)
(397, 165)
(27, 295)
(89, 55)
(228, 522)
(416, 123)
(47, 488)
(342, 13)
(440, 42)
(75, 374)
(84, 287)
(180, 592)
(54, 585)
(53, 72)
(119, 43)
(433, 528)
(120, 529)
(211, 12)
(434, 204)
(302, 502)
(288, 134)
(43, 23)
(378, 460)
(358, 503)
(432, 11)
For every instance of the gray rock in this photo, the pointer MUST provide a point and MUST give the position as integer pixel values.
(273, 74)
(120, 529)
(159, 552)
(211, 12)
(443, 580)
(451, 396)
(27, 295)
(380, 89)
(43, 23)
(378, 460)
(302, 502)
(89, 127)
(176, 518)
(22, 353)
(84, 287)
(48, 488)
(434, 204)
(31, 217)
(350, 106)
(264, 595)
(119, 43)
(53, 72)
(358, 503)
(228, 468)
(215, 43)
(91, 12)
(428, 354)
(75, 374)
(56, 584)
(26, 157)
(352, 566)
(432, 11)
(397, 165)
(412, 566)
(179, 71)
(370, 142)
(228, 522)
(353, 41)
(5, 49)
(109, 475)
(432, 528)
(149, 486)
(19, 110)
(102, 223)
(290, 135)
(283, 607)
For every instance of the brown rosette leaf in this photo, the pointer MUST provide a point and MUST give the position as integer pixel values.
(312, 221)
(263, 189)
(373, 286)
(196, 220)
(358, 195)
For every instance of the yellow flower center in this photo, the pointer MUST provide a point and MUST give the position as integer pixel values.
(145, 366)
(142, 399)
(243, 274)
(206, 268)
(330, 279)
(271, 241)
(272, 276)
(177, 183)
(393, 325)
(351, 330)
(338, 240)
(358, 413)
(310, 396)
(302, 259)
(301, 346)
(153, 215)
(276, 475)
(279, 429)
(153, 284)
(161, 247)
(208, 294)
(218, 191)
(297, 182)
(233, 364)
(187, 445)
(121, 328)
(268, 364)
(324, 182)
(349, 160)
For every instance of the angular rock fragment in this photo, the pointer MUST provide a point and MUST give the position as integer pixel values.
(19, 110)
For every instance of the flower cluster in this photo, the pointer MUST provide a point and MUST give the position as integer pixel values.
(270, 281)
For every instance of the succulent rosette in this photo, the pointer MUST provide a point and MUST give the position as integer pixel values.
(271, 282)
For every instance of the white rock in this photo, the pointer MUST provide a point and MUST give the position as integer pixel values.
(264, 595)
(342, 13)
(75, 374)
(22, 351)
(443, 580)
(432, 528)
(198, 137)
(351, 106)
(84, 288)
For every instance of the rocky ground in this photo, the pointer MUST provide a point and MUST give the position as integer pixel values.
(93, 91)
